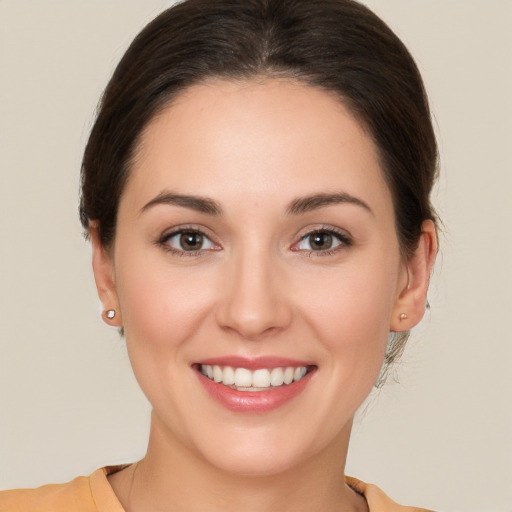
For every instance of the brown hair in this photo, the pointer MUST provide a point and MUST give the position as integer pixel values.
(337, 45)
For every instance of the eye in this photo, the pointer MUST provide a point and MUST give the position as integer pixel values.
(322, 241)
(188, 241)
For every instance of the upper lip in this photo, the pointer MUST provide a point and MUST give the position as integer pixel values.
(253, 363)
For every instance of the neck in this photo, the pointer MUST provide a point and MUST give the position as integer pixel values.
(172, 477)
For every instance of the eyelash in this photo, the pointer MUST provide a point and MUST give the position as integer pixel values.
(343, 238)
(163, 241)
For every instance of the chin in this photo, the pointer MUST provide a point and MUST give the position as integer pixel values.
(260, 452)
(252, 463)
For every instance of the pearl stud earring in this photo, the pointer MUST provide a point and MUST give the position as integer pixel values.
(403, 316)
(111, 313)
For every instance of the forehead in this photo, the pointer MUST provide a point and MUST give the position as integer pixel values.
(256, 141)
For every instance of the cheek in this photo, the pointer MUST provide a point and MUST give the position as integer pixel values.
(350, 312)
(162, 312)
(350, 300)
(160, 308)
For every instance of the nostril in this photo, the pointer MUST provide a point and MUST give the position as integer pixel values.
(253, 303)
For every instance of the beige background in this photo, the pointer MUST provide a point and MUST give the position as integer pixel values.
(442, 438)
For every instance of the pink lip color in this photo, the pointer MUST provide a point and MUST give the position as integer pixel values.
(253, 401)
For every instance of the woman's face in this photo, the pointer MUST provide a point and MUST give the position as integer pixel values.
(255, 234)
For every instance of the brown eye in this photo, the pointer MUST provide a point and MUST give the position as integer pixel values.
(320, 241)
(191, 241)
(188, 241)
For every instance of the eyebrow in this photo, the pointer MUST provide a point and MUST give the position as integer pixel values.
(306, 204)
(298, 206)
(198, 203)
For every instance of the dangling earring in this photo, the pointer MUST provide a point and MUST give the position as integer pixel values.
(110, 313)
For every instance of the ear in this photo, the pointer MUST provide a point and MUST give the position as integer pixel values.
(103, 268)
(410, 304)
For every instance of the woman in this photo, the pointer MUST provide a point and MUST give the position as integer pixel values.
(256, 191)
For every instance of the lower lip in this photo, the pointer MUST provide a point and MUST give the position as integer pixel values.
(253, 401)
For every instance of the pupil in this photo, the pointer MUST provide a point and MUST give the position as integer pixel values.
(321, 241)
(191, 241)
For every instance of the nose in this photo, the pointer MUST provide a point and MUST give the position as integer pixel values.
(254, 301)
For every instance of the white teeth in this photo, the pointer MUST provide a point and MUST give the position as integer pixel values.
(228, 376)
(257, 380)
(288, 375)
(299, 373)
(277, 377)
(243, 378)
(261, 379)
(217, 374)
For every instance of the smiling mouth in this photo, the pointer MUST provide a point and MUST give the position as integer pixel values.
(261, 379)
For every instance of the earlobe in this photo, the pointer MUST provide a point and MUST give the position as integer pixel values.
(412, 298)
(103, 268)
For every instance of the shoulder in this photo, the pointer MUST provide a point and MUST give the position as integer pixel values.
(74, 495)
(377, 500)
(83, 494)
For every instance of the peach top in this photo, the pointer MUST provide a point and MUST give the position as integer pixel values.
(94, 494)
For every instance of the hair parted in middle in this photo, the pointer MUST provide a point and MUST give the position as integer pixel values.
(339, 46)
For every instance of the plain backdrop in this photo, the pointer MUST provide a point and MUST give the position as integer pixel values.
(440, 438)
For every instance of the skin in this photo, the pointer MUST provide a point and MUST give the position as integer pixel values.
(256, 289)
